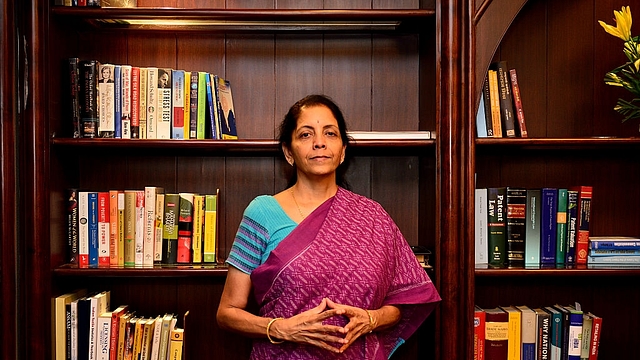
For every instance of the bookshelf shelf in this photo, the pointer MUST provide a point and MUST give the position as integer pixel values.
(558, 143)
(190, 270)
(579, 272)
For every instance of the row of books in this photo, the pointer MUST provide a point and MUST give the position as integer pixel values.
(132, 102)
(98, 3)
(141, 228)
(500, 113)
(614, 251)
(517, 227)
(87, 329)
(525, 333)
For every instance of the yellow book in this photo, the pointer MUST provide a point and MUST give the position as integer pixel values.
(113, 228)
(175, 344)
(147, 337)
(122, 334)
(59, 335)
(187, 103)
(142, 113)
(210, 228)
(198, 222)
(120, 242)
(515, 332)
(495, 103)
(157, 248)
(130, 228)
(137, 337)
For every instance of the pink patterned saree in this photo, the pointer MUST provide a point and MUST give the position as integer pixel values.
(350, 251)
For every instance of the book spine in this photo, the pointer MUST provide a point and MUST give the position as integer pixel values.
(201, 132)
(187, 103)
(595, 337)
(74, 96)
(139, 236)
(548, 228)
(216, 94)
(561, 227)
(613, 252)
(479, 323)
(198, 228)
(170, 229)
(93, 229)
(135, 102)
(113, 228)
(496, 201)
(227, 112)
(575, 336)
(210, 228)
(506, 99)
(159, 224)
(486, 97)
(516, 226)
(584, 219)
(572, 227)
(89, 103)
(104, 337)
(175, 344)
(117, 102)
(603, 245)
(149, 224)
(481, 126)
(165, 106)
(532, 233)
(126, 102)
(121, 227)
(177, 128)
(104, 231)
(152, 102)
(495, 103)
(587, 326)
(142, 113)
(544, 335)
(83, 229)
(481, 229)
(517, 102)
(212, 106)
(193, 106)
(129, 228)
(614, 259)
(72, 225)
(496, 335)
(185, 228)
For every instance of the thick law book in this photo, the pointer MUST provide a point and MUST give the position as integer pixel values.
(89, 98)
(572, 227)
(506, 99)
(516, 226)
(496, 334)
(549, 213)
(185, 228)
(481, 229)
(210, 228)
(165, 104)
(479, 321)
(532, 224)
(561, 227)
(529, 332)
(515, 332)
(73, 225)
(177, 104)
(543, 340)
(585, 194)
(496, 210)
(170, 229)
(517, 103)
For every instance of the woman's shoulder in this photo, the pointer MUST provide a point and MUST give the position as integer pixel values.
(358, 201)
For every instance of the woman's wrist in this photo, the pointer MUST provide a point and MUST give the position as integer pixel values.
(372, 323)
(269, 330)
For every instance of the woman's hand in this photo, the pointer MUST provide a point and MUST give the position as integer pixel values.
(307, 328)
(359, 322)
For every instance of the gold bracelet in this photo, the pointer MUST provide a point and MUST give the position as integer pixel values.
(370, 320)
(269, 327)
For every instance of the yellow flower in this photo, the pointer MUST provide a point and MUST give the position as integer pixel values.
(623, 24)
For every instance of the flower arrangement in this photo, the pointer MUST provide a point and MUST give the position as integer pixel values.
(628, 74)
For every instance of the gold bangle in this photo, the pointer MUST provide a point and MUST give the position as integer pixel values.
(370, 320)
(269, 327)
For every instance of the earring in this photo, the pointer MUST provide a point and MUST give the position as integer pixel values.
(290, 162)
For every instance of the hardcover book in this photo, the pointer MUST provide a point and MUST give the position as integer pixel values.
(83, 229)
(117, 100)
(187, 103)
(89, 98)
(142, 112)
(116, 315)
(557, 332)
(104, 232)
(170, 229)
(517, 103)
(198, 228)
(130, 228)
(178, 94)
(150, 198)
(152, 102)
(506, 99)
(210, 228)
(175, 344)
(62, 320)
(516, 226)
(561, 227)
(587, 326)
(496, 334)
(74, 96)
(532, 233)
(201, 131)
(529, 332)
(157, 247)
(543, 340)
(165, 104)
(93, 228)
(113, 228)
(614, 243)
(548, 229)
(185, 228)
(73, 225)
(121, 227)
(572, 227)
(596, 328)
(193, 105)
(481, 229)
(139, 233)
(496, 202)
(479, 323)
(585, 194)
(104, 336)
(575, 333)
(515, 332)
(212, 105)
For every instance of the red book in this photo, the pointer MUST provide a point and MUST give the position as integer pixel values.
(584, 219)
(185, 228)
(104, 233)
(115, 329)
(517, 102)
(496, 334)
(479, 320)
(596, 329)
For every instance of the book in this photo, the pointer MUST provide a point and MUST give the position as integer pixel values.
(73, 226)
(83, 229)
(227, 111)
(529, 332)
(614, 252)
(614, 243)
(516, 226)
(123, 322)
(494, 92)
(98, 305)
(159, 213)
(142, 112)
(170, 229)
(506, 99)
(532, 232)
(113, 228)
(74, 96)
(125, 119)
(147, 336)
(165, 333)
(61, 339)
(129, 228)
(481, 125)
(614, 260)
(193, 105)
(175, 344)
(89, 100)
(103, 344)
(155, 342)
(187, 103)
(210, 228)
(596, 329)
(121, 227)
(129, 337)
(92, 221)
(150, 194)
(548, 233)
(585, 194)
(117, 100)
(164, 105)
(479, 321)
(177, 102)
(105, 97)
(139, 228)
(72, 343)
(198, 228)
(561, 227)
(152, 102)
(575, 333)
(496, 223)
(212, 107)
(137, 337)
(82, 332)
(572, 227)
(486, 102)
(517, 103)
(201, 131)
(104, 232)
(185, 228)
(496, 334)
(587, 326)
(135, 102)
(543, 340)
(557, 332)
(481, 229)
(514, 344)
(116, 315)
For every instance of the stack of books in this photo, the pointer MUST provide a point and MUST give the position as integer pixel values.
(614, 251)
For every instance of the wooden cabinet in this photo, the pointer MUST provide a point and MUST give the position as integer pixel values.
(561, 55)
(380, 64)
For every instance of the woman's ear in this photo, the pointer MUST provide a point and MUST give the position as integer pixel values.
(287, 154)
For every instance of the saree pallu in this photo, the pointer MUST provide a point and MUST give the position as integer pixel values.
(350, 251)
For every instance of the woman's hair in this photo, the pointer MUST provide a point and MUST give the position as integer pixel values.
(290, 122)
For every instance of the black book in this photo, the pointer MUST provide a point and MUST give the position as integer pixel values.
(74, 96)
(506, 99)
(72, 225)
(89, 98)
(516, 226)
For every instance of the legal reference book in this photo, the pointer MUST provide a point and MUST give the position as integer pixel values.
(516, 226)
(572, 227)
(532, 233)
(614, 243)
(496, 334)
(496, 203)
(529, 332)
(561, 227)
(479, 323)
(481, 229)
(548, 229)
(585, 194)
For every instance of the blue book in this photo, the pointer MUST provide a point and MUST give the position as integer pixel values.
(481, 123)
(93, 229)
(212, 106)
(548, 215)
(556, 332)
(117, 111)
(613, 243)
(574, 347)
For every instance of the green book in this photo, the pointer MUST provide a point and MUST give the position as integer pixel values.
(561, 227)
(170, 229)
(202, 105)
(210, 228)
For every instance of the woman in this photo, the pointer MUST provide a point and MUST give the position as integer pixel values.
(330, 270)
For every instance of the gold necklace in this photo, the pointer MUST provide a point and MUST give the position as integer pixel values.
(296, 202)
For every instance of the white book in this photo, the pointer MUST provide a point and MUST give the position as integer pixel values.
(150, 193)
(99, 304)
(481, 228)
(390, 135)
(152, 101)
(139, 237)
(106, 106)
(104, 336)
(126, 101)
(165, 332)
(74, 330)
(165, 104)
(83, 236)
(155, 342)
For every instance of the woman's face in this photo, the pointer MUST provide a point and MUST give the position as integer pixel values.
(316, 145)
